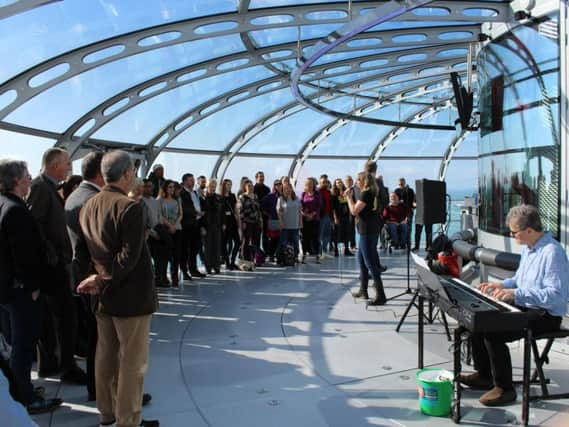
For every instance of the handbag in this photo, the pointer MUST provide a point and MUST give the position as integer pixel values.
(164, 235)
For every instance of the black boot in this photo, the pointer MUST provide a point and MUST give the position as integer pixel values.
(380, 298)
(362, 292)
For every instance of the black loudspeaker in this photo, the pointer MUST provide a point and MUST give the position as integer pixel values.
(430, 197)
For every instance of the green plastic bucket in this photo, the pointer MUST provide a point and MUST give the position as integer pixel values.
(435, 391)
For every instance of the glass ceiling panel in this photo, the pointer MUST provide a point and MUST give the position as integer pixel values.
(290, 134)
(79, 96)
(32, 37)
(273, 167)
(422, 142)
(177, 164)
(256, 4)
(216, 131)
(142, 122)
(19, 146)
(360, 139)
(271, 37)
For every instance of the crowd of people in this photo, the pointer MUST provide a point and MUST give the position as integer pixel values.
(81, 257)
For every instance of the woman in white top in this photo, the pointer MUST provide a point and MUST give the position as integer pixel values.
(290, 217)
(172, 214)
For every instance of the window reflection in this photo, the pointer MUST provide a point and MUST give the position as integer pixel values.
(519, 145)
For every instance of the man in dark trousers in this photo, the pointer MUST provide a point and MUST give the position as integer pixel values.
(191, 237)
(407, 198)
(22, 275)
(113, 227)
(46, 206)
(261, 190)
(89, 187)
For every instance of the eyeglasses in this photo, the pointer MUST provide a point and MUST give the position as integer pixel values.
(515, 233)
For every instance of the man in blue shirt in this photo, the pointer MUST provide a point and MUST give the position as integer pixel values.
(540, 285)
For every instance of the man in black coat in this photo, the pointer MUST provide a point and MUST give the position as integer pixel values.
(46, 206)
(191, 237)
(89, 187)
(22, 271)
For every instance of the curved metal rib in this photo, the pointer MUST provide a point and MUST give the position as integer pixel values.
(22, 6)
(449, 153)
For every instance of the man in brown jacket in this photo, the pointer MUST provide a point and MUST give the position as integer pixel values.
(113, 228)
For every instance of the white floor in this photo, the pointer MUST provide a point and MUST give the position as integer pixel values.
(291, 347)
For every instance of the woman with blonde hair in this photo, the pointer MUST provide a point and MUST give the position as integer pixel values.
(368, 224)
(290, 217)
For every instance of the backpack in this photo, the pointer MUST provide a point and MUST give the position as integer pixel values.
(285, 255)
(258, 256)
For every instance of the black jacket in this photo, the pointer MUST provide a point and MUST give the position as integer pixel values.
(189, 217)
(22, 251)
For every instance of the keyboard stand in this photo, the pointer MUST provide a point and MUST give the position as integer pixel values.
(430, 316)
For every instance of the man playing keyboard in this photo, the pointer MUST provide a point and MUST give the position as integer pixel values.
(540, 285)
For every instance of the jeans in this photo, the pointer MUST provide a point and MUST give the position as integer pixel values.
(368, 259)
(325, 233)
(24, 331)
(393, 228)
(290, 236)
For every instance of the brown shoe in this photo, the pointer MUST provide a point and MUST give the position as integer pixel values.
(475, 381)
(498, 397)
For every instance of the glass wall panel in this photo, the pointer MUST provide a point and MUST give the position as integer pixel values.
(290, 134)
(141, 123)
(519, 106)
(273, 167)
(35, 36)
(469, 147)
(356, 138)
(424, 142)
(218, 130)
(177, 164)
(29, 148)
(333, 168)
(87, 90)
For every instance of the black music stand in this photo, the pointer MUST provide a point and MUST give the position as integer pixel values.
(431, 315)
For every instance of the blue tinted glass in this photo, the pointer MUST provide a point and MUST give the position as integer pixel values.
(273, 168)
(177, 164)
(78, 94)
(216, 131)
(32, 37)
(290, 134)
(422, 142)
(142, 122)
(29, 148)
(357, 138)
